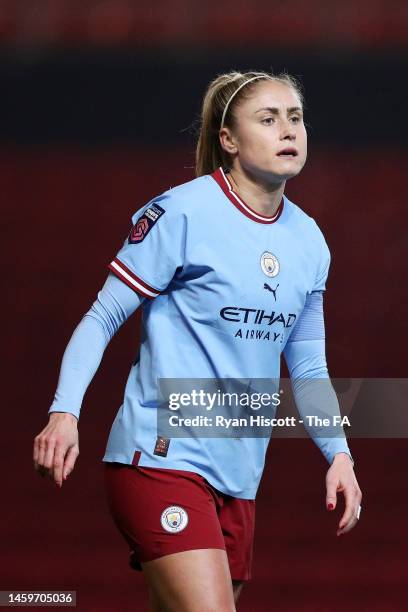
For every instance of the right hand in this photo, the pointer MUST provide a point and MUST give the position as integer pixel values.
(56, 447)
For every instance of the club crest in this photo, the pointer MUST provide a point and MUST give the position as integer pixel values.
(269, 264)
(174, 519)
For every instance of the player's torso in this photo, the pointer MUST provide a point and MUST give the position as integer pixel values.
(244, 279)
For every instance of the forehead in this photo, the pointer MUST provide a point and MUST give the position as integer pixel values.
(270, 93)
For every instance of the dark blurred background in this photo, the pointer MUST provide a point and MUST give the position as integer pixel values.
(98, 105)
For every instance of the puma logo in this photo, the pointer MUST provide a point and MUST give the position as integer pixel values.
(269, 288)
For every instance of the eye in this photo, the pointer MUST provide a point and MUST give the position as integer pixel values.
(297, 119)
(268, 120)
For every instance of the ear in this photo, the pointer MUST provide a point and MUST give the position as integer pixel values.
(227, 141)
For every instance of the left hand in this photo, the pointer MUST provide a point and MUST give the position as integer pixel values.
(340, 477)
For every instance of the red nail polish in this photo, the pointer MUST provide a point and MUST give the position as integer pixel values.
(330, 506)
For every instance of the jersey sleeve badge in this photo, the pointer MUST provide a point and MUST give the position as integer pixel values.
(145, 223)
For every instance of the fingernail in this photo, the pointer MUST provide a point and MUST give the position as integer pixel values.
(330, 506)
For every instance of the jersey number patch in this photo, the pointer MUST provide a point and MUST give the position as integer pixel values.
(145, 223)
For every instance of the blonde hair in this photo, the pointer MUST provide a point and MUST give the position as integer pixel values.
(221, 95)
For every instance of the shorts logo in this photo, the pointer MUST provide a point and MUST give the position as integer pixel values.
(145, 223)
(174, 519)
(269, 264)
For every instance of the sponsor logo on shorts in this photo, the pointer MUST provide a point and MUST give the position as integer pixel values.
(174, 519)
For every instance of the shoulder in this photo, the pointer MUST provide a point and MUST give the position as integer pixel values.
(180, 200)
(306, 224)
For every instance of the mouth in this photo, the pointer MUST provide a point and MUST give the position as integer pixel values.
(288, 153)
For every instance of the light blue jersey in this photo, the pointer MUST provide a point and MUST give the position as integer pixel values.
(225, 288)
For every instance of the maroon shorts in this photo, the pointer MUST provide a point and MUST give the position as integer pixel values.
(164, 511)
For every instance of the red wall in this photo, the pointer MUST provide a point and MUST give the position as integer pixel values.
(66, 214)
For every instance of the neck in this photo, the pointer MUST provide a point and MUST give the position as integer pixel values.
(264, 197)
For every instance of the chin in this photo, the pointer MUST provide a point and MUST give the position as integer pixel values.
(278, 175)
(288, 169)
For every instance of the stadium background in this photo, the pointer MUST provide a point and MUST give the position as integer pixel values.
(98, 103)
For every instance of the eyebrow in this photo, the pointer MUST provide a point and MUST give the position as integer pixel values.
(275, 111)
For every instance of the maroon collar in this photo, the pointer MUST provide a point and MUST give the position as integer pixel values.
(220, 177)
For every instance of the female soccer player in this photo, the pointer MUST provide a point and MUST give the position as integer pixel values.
(229, 274)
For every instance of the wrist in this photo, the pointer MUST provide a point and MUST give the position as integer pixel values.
(342, 456)
(63, 416)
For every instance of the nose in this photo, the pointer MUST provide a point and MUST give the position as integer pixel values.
(288, 131)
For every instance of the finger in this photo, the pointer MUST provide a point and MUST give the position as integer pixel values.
(49, 455)
(350, 511)
(58, 464)
(355, 518)
(348, 527)
(35, 453)
(331, 492)
(42, 447)
(69, 462)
